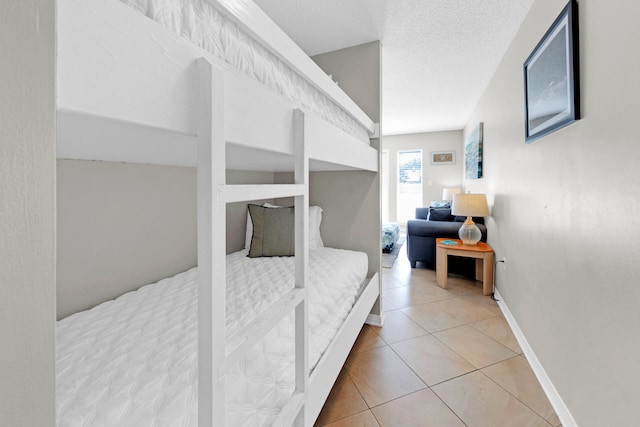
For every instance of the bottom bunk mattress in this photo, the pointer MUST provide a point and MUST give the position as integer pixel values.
(133, 361)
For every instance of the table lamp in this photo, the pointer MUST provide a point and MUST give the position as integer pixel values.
(469, 205)
(447, 193)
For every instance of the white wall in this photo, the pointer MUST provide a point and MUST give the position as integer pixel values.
(27, 213)
(564, 214)
(440, 176)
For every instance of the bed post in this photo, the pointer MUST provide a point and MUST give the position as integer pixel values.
(301, 176)
(211, 254)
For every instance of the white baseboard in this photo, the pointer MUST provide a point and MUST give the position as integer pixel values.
(375, 320)
(552, 394)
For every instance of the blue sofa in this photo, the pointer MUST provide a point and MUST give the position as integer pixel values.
(431, 223)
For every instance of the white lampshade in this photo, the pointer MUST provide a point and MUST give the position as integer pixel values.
(447, 193)
(469, 205)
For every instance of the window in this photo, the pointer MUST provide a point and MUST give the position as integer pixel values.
(409, 184)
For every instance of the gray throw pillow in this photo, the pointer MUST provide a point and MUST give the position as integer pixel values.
(273, 231)
(440, 214)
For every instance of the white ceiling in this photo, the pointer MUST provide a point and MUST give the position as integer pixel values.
(438, 55)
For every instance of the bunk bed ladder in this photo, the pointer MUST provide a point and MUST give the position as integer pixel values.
(217, 353)
(301, 177)
(211, 254)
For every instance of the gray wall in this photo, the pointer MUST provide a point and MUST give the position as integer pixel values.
(346, 199)
(237, 212)
(358, 72)
(351, 200)
(27, 213)
(440, 176)
(122, 226)
(564, 214)
(350, 217)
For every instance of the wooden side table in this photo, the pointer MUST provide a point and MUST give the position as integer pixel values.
(484, 262)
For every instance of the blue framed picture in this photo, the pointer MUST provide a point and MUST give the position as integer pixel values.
(551, 78)
(473, 153)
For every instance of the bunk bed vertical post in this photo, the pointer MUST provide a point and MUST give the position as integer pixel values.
(301, 176)
(211, 255)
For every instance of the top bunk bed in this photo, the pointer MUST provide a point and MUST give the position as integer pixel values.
(129, 86)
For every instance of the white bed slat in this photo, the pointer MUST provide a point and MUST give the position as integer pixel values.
(329, 144)
(211, 255)
(246, 193)
(246, 338)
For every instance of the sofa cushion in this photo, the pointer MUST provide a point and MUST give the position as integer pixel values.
(440, 214)
(417, 227)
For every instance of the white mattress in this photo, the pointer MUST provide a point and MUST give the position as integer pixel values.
(133, 361)
(200, 22)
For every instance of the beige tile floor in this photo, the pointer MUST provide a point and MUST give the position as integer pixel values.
(443, 358)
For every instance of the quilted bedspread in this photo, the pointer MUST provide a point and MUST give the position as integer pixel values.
(133, 361)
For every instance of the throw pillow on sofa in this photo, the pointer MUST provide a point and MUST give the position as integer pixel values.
(440, 214)
(440, 204)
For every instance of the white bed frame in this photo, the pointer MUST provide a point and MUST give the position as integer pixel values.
(129, 90)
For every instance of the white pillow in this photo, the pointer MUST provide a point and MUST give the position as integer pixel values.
(315, 219)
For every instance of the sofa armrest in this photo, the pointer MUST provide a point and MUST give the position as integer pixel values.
(419, 227)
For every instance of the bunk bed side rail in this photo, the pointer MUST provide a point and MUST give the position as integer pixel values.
(327, 369)
(136, 102)
(330, 144)
(254, 21)
(113, 62)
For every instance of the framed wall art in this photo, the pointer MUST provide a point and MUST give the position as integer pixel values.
(473, 153)
(551, 78)
(443, 157)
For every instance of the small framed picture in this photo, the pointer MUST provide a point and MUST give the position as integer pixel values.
(551, 78)
(443, 157)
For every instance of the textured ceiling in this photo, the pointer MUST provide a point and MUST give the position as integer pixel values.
(438, 55)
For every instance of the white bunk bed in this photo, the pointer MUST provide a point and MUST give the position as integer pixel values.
(131, 90)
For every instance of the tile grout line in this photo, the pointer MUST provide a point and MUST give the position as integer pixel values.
(511, 394)
(482, 332)
(445, 403)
